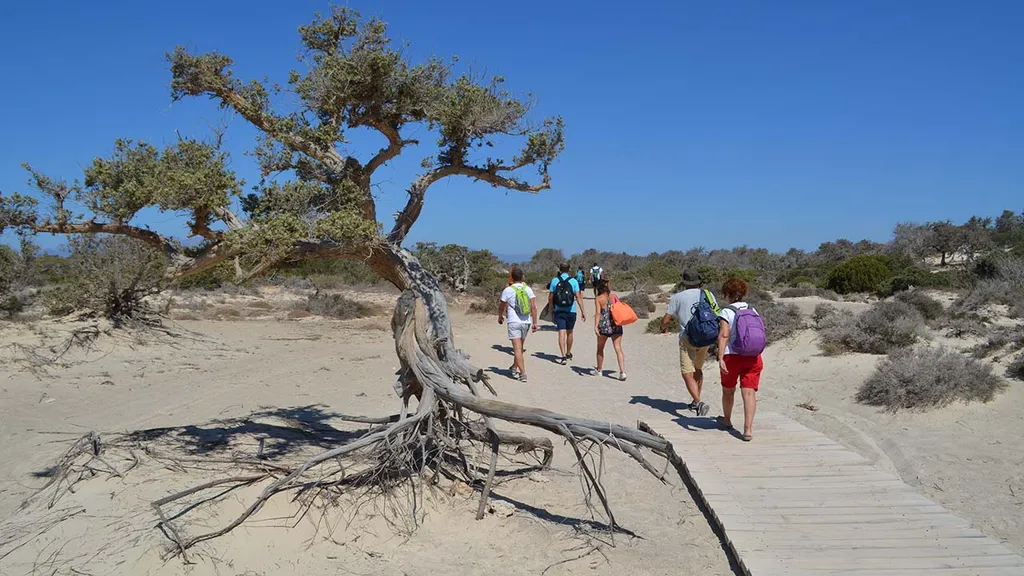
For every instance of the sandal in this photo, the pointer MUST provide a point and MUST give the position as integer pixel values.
(720, 420)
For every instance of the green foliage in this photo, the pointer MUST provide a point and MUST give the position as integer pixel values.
(926, 378)
(714, 277)
(863, 273)
(654, 326)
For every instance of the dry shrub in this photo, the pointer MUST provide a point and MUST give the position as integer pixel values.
(1015, 369)
(929, 307)
(109, 276)
(999, 339)
(885, 326)
(806, 290)
(482, 307)
(641, 303)
(822, 312)
(961, 325)
(780, 320)
(339, 306)
(922, 378)
(992, 292)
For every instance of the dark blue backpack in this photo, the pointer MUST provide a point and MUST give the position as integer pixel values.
(702, 329)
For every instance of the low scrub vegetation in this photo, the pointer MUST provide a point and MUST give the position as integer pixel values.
(781, 320)
(339, 306)
(1002, 339)
(863, 273)
(641, 303)
(923, 378)
(654, 326)
(885, 326)
(1015, 369)
(929, 307)
(805, 290)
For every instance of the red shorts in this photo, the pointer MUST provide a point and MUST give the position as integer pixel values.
(743, 369)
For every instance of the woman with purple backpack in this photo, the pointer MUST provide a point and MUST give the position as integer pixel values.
(741, 339)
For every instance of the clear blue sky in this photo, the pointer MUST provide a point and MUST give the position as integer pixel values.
(770, 123)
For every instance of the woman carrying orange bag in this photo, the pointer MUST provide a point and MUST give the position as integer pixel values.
(606, 328)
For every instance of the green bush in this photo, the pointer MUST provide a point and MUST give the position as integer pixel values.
(864, 273)
(798, 281)
(922, 378)
(654, 326)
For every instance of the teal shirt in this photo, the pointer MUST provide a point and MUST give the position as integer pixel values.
(575, 290)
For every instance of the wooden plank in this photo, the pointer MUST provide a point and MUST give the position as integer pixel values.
(796, 503)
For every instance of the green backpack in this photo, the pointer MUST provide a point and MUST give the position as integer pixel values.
(522, 305)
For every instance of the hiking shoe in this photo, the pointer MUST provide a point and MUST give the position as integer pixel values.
(522, 378)
(515, 374)
(701, 408)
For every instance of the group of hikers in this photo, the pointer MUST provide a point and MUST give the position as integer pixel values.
(737, 330)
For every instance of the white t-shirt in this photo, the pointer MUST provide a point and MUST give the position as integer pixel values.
(730, 317)
(508, 296)
(596, 272)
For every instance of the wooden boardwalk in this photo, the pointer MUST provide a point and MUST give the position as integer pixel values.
(793, 502)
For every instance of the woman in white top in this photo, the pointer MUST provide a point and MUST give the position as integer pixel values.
(735, 368)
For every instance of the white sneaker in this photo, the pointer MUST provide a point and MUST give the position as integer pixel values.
(622, 376)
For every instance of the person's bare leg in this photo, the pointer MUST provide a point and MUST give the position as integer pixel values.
(517, 353)
(619, 354)
(698, 377)
(749, 408)
(601, 340)
(562, 336)
(568, 344)
(692, 387)
(728, 399)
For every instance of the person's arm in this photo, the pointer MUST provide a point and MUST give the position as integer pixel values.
(533, 313)
(579, 303)
(723, 341)
(664, 322)
(551, 296)
(501, 311)
(669, 313)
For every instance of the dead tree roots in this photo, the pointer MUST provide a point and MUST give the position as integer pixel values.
(444, 425)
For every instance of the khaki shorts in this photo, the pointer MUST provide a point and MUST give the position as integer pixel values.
(691, 359)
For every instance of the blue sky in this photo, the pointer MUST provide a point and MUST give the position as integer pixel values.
(769, 123)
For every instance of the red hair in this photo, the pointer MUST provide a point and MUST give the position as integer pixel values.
(735, 289)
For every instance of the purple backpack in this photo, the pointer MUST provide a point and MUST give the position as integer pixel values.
(751, 338)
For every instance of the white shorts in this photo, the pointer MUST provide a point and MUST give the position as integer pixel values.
(518, 330)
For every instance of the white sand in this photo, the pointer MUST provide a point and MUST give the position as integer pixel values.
(965, 457)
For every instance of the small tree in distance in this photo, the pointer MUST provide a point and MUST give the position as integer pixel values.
(353, 79)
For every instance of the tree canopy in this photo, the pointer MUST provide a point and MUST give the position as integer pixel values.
(314, 198)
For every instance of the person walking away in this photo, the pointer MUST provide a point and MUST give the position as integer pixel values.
(518, 307)
(696, 333)
(606, 328)
(741, 339)
(581, 278)
(596, 273)
(564, 295)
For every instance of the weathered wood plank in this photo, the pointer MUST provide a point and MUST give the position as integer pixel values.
(795, 502)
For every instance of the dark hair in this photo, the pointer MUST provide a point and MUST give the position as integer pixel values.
(563, 267)
(734, 289)
(603, 286)
(518, 274)
(595, 263)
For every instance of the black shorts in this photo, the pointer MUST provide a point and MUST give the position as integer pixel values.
(565, 320)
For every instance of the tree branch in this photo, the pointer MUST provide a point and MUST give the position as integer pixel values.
(394, 147)
(151, 238)
(417, 192)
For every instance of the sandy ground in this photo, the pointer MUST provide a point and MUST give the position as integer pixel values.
(965, 457)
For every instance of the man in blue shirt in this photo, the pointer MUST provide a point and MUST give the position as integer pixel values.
(565, 294)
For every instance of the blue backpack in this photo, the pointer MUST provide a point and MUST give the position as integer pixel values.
(702, 329)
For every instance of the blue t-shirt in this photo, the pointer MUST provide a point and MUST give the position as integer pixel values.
(575, 289)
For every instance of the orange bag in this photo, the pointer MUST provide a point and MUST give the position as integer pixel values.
(622, 313)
